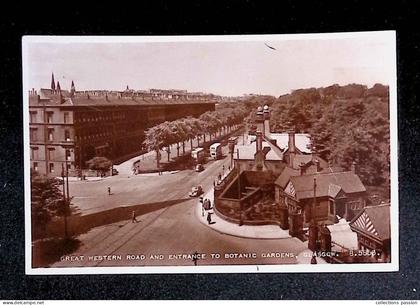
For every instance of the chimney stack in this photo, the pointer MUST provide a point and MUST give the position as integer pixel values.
(302, 169)
(266, 115)
(291, 147)
(259, 119)
(259, 141)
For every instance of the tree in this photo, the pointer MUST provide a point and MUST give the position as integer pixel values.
(47, 201)
(153, 141)
(347, 124)
(100, 164)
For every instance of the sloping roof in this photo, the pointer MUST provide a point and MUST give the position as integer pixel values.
(333, 190)
(301, 159)
(302, 141)
(347, 181)
(332, 169)
(247, 152)
(285, 176)
(374, 220)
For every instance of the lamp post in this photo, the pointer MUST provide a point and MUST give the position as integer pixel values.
(64, 201)
(313, 229)
(66, 194)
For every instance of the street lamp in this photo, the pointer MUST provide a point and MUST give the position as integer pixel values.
(64, 201)
(313, 228)
(66, 194)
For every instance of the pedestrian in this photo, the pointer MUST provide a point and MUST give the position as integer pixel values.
(202, 205)
(223, 168)
(109, 190)
(209, 218)
(133, 217)
(229, 168)
(313, 259)
(220, 177)
(195, 258)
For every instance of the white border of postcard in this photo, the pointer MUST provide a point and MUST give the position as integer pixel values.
(373, 267)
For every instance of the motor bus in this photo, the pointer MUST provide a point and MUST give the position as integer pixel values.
(216, 151)
(198, 155)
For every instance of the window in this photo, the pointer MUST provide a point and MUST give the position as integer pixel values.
(51, 153)
(32, 116)
(332, 207)
(51, 167)
(67, 135)
(50, 134)
(34, 153)
(33, 134)
(68, 154)
(50, 117)
(66, 118)
(35, 166)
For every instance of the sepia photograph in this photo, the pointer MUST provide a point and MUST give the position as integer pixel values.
(211, 154)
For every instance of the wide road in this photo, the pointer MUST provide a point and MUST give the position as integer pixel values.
(173, 230)
(92, 196)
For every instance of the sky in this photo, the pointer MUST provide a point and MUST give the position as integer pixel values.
(229, 66)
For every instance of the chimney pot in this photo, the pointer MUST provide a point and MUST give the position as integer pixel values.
(318, 165)
(353, 167)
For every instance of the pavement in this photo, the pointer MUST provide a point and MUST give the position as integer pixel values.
(263, 232)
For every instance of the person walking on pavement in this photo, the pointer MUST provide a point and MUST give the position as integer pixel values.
(223, 168)
(209, 218)
(109, 190)
(133, 217)
(202, 205)
(313, 259)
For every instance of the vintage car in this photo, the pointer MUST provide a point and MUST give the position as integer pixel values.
(199, 168)
(196, 191)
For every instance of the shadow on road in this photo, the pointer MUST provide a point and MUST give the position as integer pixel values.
(48, 251)
(79, 224)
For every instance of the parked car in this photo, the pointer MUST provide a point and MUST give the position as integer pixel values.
(199, 167)
(196, 191)
(114, 172)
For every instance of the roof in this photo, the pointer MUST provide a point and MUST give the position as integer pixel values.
(327, 184)
(247, 152)
(332, 169)
(302, 141)
(299, 159)
(374, 220)
(65, 99)
(215, 145)
(285, 176)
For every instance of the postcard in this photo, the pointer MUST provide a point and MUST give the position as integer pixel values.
(211, 154)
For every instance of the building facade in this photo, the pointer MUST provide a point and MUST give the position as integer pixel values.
(373, 229)
(68, 128)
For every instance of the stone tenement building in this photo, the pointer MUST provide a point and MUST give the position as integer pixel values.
(71, 127)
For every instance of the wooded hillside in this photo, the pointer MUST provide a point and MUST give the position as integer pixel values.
(347, 123)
